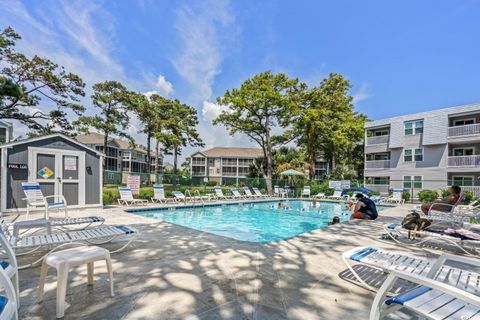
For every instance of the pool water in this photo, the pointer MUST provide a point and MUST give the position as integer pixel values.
(254, 222)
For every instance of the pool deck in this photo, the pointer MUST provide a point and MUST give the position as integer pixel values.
(172, 272)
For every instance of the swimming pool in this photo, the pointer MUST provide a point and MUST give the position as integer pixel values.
(254, 222)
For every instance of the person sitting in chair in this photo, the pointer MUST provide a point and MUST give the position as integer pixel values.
(364, 209)
(455, 192)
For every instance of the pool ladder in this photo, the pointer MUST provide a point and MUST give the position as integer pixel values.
(194, 198)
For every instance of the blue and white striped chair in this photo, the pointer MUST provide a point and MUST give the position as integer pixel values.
(8, 302)
(35, 198)
(126, 197)
(8, 281)
(159, 194)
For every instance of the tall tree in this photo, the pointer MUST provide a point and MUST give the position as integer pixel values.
(113, 101)
(327, 122)
(34, 81)
(260, 104)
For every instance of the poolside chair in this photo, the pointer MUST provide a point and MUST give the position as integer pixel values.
(9, 301)
(219, 194)
(126, 197)
(9, 266)
(35, 198)
(236, 194)
(259, 194)
(248, 193)
(279, 192)
(441, 293)
(319, 195)
(48, 224)
(98, 235)
(445, 211)
(159, 194)
(306, 191)
(417, 237)
(337, 195)
(396, 197)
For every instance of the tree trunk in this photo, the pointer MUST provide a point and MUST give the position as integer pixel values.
(157, 154)
(311, 161)
(175, 149)
(149, 158)
(334, 158)
(105, 142)
(268, 142)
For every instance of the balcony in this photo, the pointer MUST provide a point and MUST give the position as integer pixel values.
(464, 161)
(382, 188)
(377, 164)
(377, 140)
(467, 130)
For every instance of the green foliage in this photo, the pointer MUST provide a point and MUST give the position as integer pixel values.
(427, 196)
(343, 172)
(373, 193)
(406, 196)
(445, 192)
(146, 193)
(261, 103)
(110, 196)
(468, 197)
(36, 81)
(211, 183)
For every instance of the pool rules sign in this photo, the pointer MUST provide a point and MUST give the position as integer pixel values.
(133, 182)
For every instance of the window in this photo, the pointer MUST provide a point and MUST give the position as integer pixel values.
(413, 127)
(381, 133)
(410, 155)
(463, 122)
(407, 155)
(412, 181)
(378, 180)
(458, 152)
(462, 181)
(378, 156)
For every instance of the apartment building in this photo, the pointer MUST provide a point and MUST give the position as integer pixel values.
(6, 131)
(428, 150)
(120, 156)
(221, 164)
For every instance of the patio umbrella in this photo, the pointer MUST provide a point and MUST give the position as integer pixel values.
(291, 172)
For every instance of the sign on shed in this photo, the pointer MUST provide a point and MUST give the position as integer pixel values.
(133, 182)
(339, 184)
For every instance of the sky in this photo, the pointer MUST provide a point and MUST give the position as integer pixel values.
(401, 57)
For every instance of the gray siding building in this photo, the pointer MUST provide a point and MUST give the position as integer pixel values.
(428, 150)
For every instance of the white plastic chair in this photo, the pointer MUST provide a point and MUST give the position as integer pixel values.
(236, 194)
(10, 267)
(306, 191)
(159, 194)
(396, 197)
(8, 303)
(35, 198)
(337, 195)
(279, 192)
(258, 193)
(126, 197)
(219, 193)
(248, 193)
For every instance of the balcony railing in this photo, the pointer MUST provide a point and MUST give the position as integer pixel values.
(383, 188)
(377, 164)
(468, 130)
(377, 140)
(464, 161)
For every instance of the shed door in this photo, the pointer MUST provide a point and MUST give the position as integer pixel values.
(59, 172)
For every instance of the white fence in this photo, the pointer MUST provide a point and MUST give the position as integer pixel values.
(464, 161)
(377, 140)
(468, 130)
(377, 164)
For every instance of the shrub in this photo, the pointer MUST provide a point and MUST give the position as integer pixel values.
(110, 196)
(445, 192)
(468, 197)
(373, 193)
(211, 183)
(427, 196)
(146, 193)
(406, 196)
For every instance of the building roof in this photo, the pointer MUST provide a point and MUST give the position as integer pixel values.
(232, 152)
(97, 138)
(18, 142)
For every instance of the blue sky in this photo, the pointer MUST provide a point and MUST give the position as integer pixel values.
(401, 57)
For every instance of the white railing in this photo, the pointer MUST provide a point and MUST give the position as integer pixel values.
(468, 130)
(464, 161)
(383, 188)
(377, 164)
(377, 140)
(473, 189)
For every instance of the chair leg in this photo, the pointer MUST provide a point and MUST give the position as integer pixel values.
(108, 260)
(90, 273)
(16, 287)
(41, 284)
(62, 280)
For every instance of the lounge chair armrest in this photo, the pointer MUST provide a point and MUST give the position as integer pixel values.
(440, 205)
(61, 197)
(441, 286)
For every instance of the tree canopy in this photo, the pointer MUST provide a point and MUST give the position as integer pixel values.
(25, 83)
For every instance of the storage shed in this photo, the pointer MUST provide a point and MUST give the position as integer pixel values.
(60, 164)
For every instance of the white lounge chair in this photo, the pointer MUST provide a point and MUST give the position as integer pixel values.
(35, 198)
(236, 194)
(126, 197)
(396, 197)
(48, 224)
(98, 235)
(441, 293)
(319, 195)
(9, 301)
(259, 194)
(9, 267)
(159, 194)
(219, 194)
(306, 191)
(248, 193)
(446, 212)
(337, 195)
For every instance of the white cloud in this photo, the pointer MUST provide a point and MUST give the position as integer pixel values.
(164, 85)
(211, 110)
(201, 27)
(362, 94)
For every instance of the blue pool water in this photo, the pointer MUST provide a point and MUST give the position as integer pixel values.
(254, 222)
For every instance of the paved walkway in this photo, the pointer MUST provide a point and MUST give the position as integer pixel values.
(174, 272)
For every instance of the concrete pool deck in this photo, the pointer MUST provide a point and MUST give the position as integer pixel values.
(172, 272)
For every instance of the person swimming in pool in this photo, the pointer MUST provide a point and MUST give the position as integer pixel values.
(364, 209)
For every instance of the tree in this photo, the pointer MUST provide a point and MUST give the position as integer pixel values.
(29, 82)
(327, 122)
(343, 172)
(113, 101)
(261, 103)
